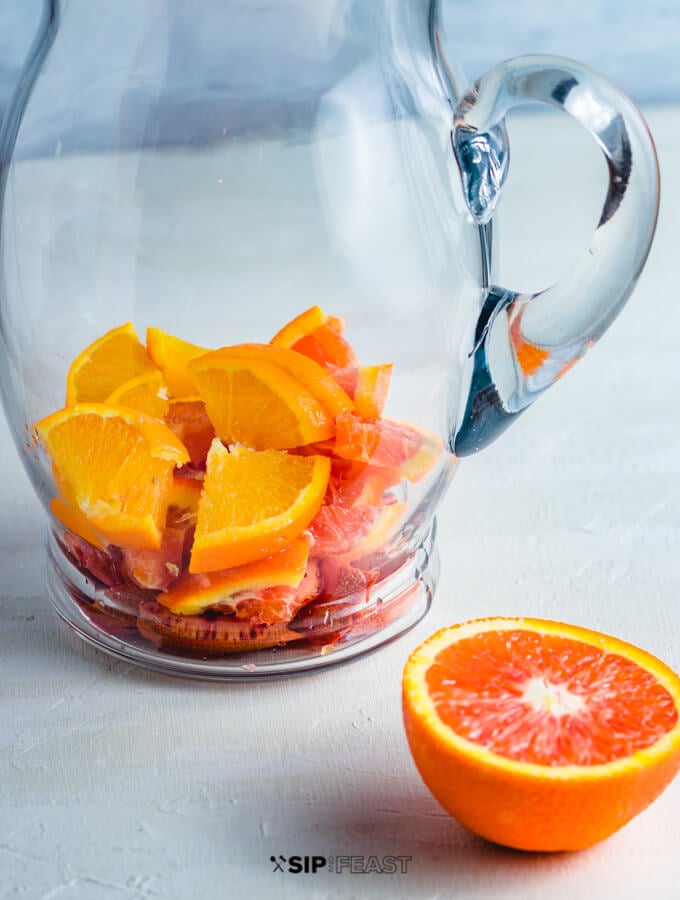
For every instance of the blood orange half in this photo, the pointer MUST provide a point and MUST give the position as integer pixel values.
(540, 735)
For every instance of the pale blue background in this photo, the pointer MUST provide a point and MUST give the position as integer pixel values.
(635, 43)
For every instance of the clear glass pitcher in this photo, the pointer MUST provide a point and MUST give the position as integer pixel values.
(249, 314)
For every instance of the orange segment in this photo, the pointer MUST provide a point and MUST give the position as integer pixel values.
(540, 735)
(193, 594)
(146, 393)
(254, 504)
(257, 403)
(172, 355)
(411, 450)
(298, 327)
(112, 359)
(114, 465)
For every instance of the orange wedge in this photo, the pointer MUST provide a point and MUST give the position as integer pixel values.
(318, 336)
(328, 348)
(193, 594)
(114, 465)
(368, 387)
(540, 735)
(255, 402)
(112, 359)
(313, 377)
(254, 504)
(172, 355)
(300, 326)
(146, 393)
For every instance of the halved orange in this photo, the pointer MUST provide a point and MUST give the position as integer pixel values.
(387, 443)
(255, 402)
(254, 504)
(146, 393)
(172, 355)
(540, 735)
(114, 465)
(104, 365)
(193, 594)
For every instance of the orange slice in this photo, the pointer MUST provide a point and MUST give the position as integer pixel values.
(112, 359)
(313, 377)
(205, 637)
(172, 355)
(254, 504)
(255, 402)
(193, 594)
(540, 735)
(319, 337)
(146, 393)
(387, 443)
(114, 465)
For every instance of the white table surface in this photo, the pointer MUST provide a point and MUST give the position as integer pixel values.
(119, 783)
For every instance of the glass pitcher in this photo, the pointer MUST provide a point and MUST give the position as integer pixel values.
(249, 313)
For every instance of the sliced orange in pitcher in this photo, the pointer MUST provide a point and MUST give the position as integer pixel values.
(313, 377)
(104, 365)
(300, 326)
(114, 465)
(193, 594)
(319, 337)
(254, 504)
(255, 402)
(387, 443)
(540, 735)
(172, 356)
(327, 347)
(146, 392)
(350, 532)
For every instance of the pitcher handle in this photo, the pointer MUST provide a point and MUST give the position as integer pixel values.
(524, 342)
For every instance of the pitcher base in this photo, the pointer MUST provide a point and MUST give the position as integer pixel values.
(131, 625)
